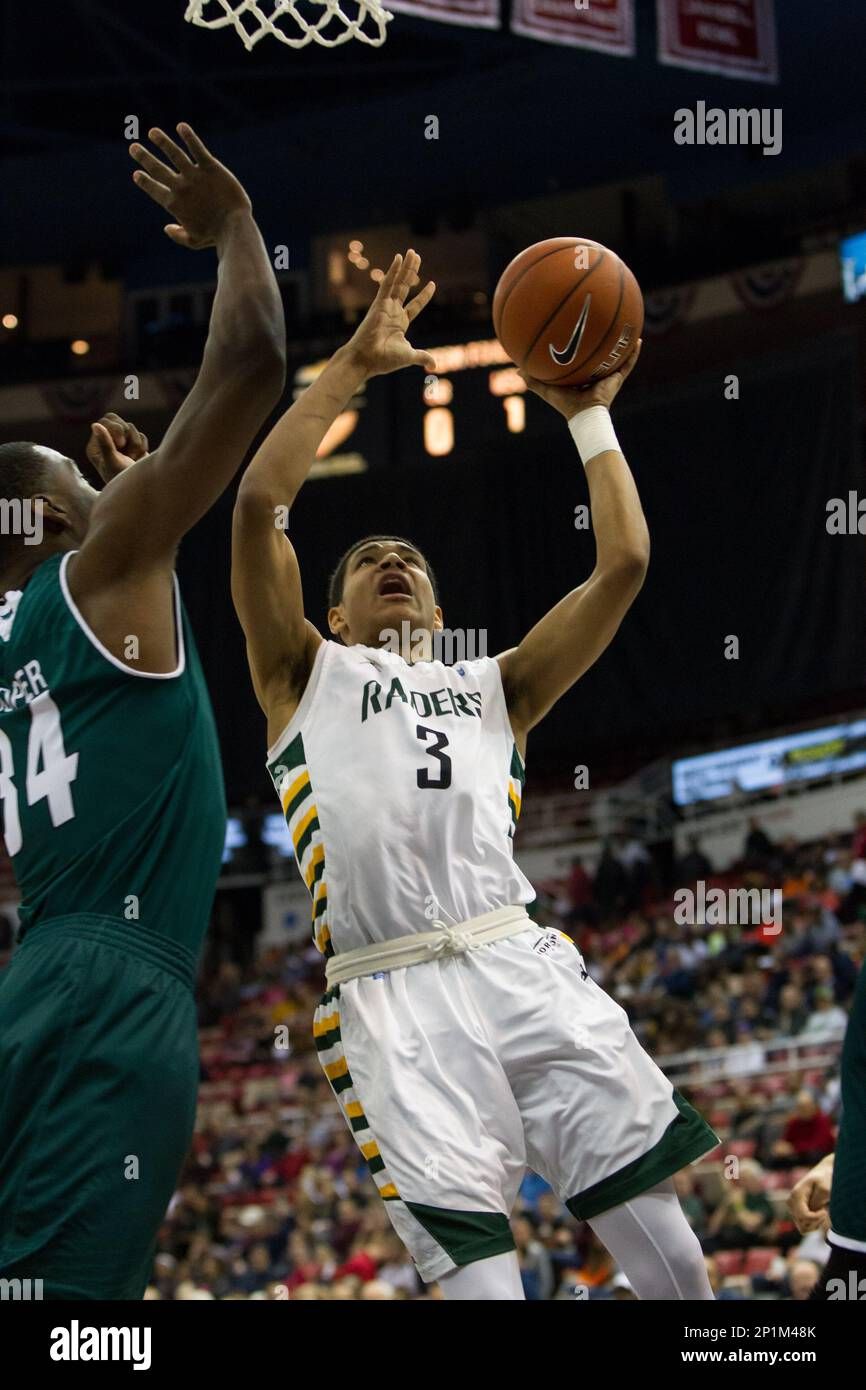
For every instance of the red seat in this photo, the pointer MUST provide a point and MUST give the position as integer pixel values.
(774, 1181)
(759, 1259)
(729, 1262)
(743, 1148)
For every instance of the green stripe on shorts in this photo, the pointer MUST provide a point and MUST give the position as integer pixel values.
(687, 1137)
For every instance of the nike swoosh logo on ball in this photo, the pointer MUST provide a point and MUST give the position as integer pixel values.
(563, 356)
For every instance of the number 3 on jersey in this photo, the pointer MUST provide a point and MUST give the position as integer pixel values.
(53, 780)
(424, 778)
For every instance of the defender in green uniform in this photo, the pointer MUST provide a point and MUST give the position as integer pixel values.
(831, 1197)
(848, 1200)
(111, 786)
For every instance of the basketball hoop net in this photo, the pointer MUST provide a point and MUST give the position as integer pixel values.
(307, 20)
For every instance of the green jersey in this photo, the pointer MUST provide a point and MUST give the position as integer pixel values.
(110, 779)
(848, 1192)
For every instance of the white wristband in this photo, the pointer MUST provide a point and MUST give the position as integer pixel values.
(592, 431)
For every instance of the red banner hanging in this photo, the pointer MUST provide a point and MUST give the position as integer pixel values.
(734, 37)
(480, 14)
(606, 25)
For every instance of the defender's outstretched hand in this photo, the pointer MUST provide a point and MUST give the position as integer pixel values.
(194, 187)
(114, 445)
(809, 1199)
(570, 400)
(379, 343)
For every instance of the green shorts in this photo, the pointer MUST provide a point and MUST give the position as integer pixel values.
(99, 1067)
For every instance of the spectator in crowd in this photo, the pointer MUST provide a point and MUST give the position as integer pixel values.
(858, 842)
(827, 1019)
(579, 892)
(597, 1267)
(611, 883)
(694, 864)
(803, 1275)
(838, 863)
(638, 867)
(691, 1203)
(807, 1136)
(536, 1272)
(744, 1216)
(758, 850)
(792, 1013)
(716, 1283)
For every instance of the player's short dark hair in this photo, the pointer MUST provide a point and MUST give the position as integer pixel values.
(335, 583)
(22, 473)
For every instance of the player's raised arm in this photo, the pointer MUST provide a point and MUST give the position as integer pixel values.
(144, 511)
(266, 581)
(573, 635)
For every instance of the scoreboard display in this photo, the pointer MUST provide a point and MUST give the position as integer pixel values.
(475, 399)
(771, 764)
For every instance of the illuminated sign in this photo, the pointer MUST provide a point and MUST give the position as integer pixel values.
(773, 763)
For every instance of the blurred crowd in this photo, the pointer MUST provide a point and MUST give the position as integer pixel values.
(276, 1200)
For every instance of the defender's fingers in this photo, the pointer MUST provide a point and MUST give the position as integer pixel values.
(197, 148)
(179, 158)
(157, 191)
(177, 233)
(163, 173)
(103, 442)
(116, 427)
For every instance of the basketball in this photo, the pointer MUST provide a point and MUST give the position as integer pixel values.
(568, 310)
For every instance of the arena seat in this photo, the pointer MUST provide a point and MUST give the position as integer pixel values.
(760, 1258)
(742, 1148)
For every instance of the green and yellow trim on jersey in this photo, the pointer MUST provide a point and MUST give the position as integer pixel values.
(291, 777)
(516, 780)
(329, 1045)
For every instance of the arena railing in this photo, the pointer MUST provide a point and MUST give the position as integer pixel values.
(773, 1057)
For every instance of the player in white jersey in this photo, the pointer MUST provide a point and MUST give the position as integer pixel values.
(463, 1042)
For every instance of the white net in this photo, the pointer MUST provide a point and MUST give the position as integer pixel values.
(295, 22)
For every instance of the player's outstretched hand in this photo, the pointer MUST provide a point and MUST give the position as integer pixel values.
(114, 445)
(570, 400)
(809, 1199)
(379, 344)
(190, 184)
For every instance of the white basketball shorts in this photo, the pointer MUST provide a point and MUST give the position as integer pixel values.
(457, 1074)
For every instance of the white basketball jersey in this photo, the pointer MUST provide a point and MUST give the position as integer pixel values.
(401, 785)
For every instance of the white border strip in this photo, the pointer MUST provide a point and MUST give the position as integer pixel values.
(103, 651)
(846, 1242)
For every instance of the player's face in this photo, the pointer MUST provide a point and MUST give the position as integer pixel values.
(68, 497)
(385, 584)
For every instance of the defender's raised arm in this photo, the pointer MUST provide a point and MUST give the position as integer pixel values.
(138, 519)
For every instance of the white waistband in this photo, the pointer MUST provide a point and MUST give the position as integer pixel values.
(428, 945)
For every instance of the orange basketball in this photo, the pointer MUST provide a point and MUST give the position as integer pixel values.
(568, 310)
